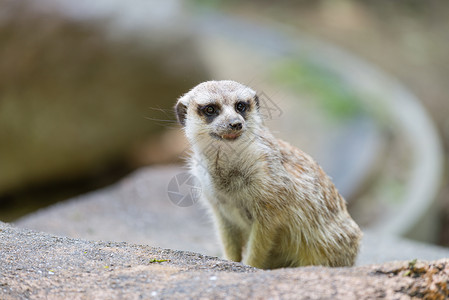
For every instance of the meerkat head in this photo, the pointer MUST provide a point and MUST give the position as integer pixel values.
(223, 110)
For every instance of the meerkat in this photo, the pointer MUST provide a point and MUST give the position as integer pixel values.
(272, 204)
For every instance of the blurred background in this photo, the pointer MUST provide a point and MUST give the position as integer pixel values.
(87, 90)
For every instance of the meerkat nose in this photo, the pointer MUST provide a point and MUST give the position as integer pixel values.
(235, 125)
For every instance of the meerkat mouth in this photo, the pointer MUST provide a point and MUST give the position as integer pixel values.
(227, 136)
(230, 136)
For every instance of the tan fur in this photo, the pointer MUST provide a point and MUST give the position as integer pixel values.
(273, 205)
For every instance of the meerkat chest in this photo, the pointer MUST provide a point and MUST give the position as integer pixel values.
(236, 177)
(232, 181)
(237, 206)
(237, 210)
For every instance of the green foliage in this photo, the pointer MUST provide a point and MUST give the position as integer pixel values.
(158, 260)
(327, 89)
(412, 263)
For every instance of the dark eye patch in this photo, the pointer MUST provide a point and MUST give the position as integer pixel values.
(242, 107)
(209, 111)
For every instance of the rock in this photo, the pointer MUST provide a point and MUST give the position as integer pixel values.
(37, 265)
(75, 97)
(135, 210)
(138, 210)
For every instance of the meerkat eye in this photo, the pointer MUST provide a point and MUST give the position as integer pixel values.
(241, 106)
(210, 110)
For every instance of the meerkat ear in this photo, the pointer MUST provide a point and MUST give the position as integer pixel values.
(181, 111)
(256, 99)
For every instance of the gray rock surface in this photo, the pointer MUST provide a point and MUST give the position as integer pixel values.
(35, 265)
(138, 210)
